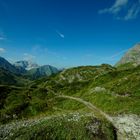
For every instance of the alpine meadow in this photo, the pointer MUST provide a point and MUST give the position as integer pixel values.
(69, 70)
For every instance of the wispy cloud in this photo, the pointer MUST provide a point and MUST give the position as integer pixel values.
(2, 36)
(28, 57)
(60, 34)
(133, 12)
(123, 9)
(38, 49)
(47, 54)
(115, 8)
(2, 50)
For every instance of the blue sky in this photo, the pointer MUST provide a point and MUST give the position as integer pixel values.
(67, 33)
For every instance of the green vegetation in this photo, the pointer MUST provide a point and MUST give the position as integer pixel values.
(113, 90)
(65, 127)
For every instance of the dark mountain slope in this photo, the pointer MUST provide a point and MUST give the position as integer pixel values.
(9, 78)
(8, 66)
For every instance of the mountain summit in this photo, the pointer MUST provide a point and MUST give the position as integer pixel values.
(45, 70)
(24, 68)
(131, 57)
(28, 65)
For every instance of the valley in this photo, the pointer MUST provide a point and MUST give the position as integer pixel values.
(86, 102)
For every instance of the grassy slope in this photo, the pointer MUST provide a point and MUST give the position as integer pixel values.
(63, 127)
(119, 90)
(114, 91)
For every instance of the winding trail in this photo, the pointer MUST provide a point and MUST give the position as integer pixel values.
(89, 105)
(122, 128)
(127, 127)
(119, 134)
(121, 124)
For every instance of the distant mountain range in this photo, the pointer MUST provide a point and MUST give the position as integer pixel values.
(40, 71)
(26, 69)
(32, 71)
(27, 65)
(86, 102)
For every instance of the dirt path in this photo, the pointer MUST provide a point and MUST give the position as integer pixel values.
(127, 126)
(119, 134)
(89, 105)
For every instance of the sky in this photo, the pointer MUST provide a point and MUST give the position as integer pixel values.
(67, 33)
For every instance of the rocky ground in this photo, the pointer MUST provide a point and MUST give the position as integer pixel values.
(128, 127)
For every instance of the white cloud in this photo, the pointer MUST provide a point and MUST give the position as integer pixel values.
(39, 49)
(117, 6)
(133, 12)
(130, 9)
(28, 57)
(2, 50)
(60, 34)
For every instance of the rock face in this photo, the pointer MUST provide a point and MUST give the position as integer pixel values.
(24, 68)
(45, 70)
(27, 65)
(132, 56)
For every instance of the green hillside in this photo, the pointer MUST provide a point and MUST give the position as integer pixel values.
(115, 91)
(112, 90)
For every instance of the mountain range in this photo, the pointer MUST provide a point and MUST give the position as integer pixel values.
(86, 102)
(25, 69)
(27, 65)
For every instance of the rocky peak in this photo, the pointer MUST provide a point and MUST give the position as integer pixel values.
(132, 56)
(26, 64)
